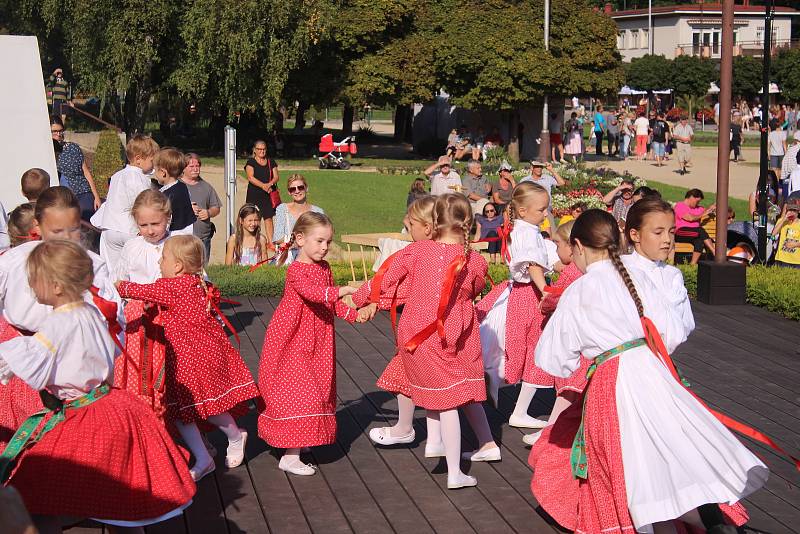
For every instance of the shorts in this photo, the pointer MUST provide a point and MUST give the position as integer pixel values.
(775, 161)
(555, 139)
(659, 149)
(59, 107)
(684, 152)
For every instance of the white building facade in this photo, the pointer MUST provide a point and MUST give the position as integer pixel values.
(696, 29)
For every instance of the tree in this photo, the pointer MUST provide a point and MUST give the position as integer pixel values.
(747, 76)
(649, 73)
(786, 68)
(692, 75)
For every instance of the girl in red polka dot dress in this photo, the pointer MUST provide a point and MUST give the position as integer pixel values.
(205, 377)
(297, 372)
(512, 320)
(437, 335)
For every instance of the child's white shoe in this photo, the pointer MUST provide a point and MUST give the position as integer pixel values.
(526, 421)
(294, 466)
(383, 436)
(200, 471)
(489, 455)
(461, 481)
(531, 439)
(434, 450)
(235, 454)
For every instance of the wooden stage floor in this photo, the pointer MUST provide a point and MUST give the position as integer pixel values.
(741, 360)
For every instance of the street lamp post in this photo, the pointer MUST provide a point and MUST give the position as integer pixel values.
(544, 144)
(762, 177)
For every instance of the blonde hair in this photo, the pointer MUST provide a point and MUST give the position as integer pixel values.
(305, 223)
(61, 261)
(188, 250)
(155, 200)
(142, 146)
(171, 160)
(521, 197)
(33, 182)
(452, 213)
(563, 231)
(296, 178)
(422, 210)
(20, 223)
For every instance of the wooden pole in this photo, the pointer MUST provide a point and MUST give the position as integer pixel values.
(724, 140)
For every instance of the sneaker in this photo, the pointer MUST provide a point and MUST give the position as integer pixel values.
(489, 455)
(383, 436)
(235, 454)
(296, 467)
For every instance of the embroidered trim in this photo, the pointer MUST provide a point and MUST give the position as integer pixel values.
(450, 386)
(212, 399)
(38, 336)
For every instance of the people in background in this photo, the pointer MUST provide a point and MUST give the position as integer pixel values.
(688, 229)
(443, 178)
(73, 171)
(417, 191)
(205, 202)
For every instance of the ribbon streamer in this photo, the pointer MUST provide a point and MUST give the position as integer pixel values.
(108, 310)
(213, 298)
(437, 325)
(656, 344)
(284, 246)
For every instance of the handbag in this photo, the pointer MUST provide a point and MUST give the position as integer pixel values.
(275, 197)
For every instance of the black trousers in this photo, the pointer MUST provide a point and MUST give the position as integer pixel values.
(613, 144)
(695, 236)
(599, 142)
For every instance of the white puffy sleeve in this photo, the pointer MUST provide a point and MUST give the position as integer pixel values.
(105, 285)
(558, 351)
(667, 318)
(527, 248)
(31, 358)
(680, 298)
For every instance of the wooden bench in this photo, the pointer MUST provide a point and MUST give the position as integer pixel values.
(708, 222)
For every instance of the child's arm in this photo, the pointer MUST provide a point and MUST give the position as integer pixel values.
(229, 250)
(157, 292)
(343, 311)
(262, 246)
(316, 293)
(537, 276)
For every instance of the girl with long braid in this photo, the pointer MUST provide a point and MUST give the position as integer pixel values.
(437, 335)
(640, 451)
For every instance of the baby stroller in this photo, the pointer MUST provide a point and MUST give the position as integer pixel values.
(334, 153)
(742, 239)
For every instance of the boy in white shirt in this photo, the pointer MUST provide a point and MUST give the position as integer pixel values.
(114, 216)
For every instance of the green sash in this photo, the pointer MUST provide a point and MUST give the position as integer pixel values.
(577, 458)
(26, 434)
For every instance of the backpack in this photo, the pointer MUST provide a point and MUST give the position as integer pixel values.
(658, 128)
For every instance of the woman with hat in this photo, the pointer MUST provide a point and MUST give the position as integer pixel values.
(505, 187)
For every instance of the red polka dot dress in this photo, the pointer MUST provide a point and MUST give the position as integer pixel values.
(443, 373)
(204, 374)
(297, 372)
(393, 378)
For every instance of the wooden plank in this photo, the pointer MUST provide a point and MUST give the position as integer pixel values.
(205, 515)
(176, 525)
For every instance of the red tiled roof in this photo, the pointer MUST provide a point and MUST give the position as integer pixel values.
(705, 8)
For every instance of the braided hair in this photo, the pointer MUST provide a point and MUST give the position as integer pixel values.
(452, 213)
(304, 224)
(597, 229)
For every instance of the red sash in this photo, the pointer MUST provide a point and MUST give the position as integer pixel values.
(108, 309)
(656, 344)
(375, 290)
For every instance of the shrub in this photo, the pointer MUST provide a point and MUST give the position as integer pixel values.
(107, 160)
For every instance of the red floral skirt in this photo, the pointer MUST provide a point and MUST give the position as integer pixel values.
(18, 401)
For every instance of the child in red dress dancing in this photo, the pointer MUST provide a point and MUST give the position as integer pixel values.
(512, 319)
(139, 371)
(205, 377)
(58, 216)
(640, 451)
(437, 335)
(297, 372)
(94, 451)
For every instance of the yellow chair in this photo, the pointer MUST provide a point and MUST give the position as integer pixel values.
(709, 222)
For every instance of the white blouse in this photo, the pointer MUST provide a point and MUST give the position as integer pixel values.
(526, 248)
(596, 313)
(138, 261)
(17, 300)
(669, 280)
(115, 213)
(71, 354)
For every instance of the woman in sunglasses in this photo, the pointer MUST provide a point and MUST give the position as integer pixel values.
(286, 214)
(73, 171)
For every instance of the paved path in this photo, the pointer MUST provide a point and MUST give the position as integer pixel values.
(741, 360)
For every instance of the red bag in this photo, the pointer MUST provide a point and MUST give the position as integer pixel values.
(275, 197)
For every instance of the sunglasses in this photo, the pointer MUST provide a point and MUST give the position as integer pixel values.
(490, 211)
(61, 131)
(297, 188)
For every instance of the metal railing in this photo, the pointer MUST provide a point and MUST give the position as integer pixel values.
(741, 48)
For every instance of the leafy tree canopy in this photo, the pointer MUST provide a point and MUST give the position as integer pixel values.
(747, 76)
(649, 73)
(786, 68)
(692, 75)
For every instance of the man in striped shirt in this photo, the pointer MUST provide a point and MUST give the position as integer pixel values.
(59, 88)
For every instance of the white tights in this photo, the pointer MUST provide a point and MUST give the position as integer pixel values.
(191, 435)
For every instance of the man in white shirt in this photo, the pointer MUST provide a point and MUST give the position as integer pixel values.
(790, 161)
(444, 181)
(114, 216)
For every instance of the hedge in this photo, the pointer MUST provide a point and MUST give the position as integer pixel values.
(107, 160)
(774, 288)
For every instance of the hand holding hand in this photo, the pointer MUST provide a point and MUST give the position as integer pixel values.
(367, 313)
(346, 290)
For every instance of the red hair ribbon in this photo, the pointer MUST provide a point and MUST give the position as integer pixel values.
(284, 246)
(656, 344)
(554, 291)
(213, 298)
(108, 310)
(437, 325)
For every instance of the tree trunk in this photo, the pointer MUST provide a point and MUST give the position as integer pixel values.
(300, 117)
(513, 140)
(347, 120)
(403, 123)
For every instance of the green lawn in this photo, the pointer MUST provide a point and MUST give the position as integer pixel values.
(362, 202)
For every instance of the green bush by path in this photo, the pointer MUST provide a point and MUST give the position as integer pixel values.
(107, 160)
(773, 288)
